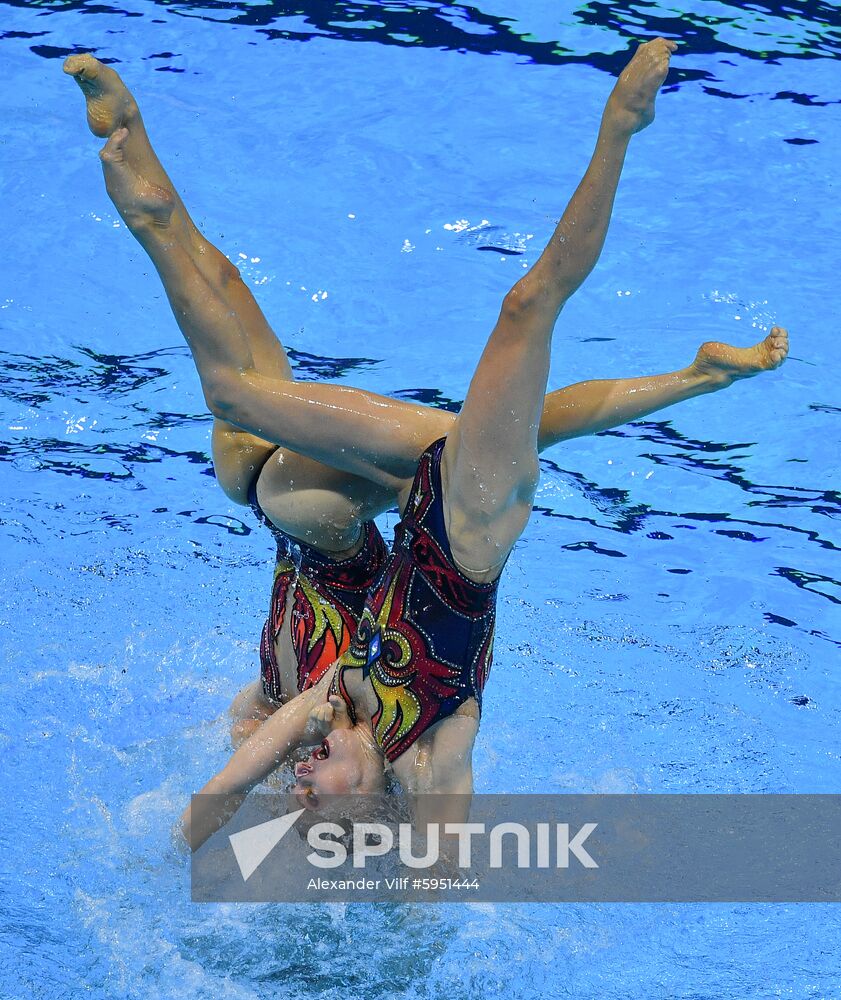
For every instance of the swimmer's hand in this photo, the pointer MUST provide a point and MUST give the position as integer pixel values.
(327, 716)
(263, 752)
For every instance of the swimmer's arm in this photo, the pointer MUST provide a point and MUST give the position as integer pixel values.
(279, 736)
(447, 802)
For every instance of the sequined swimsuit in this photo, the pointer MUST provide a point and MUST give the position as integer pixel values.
(327, 603)
(425, 638)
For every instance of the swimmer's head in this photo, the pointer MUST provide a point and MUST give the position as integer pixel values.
(347, 761)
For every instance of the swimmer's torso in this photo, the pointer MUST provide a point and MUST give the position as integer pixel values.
(421, 656)
(317, 598)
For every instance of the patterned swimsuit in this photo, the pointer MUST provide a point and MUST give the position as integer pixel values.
(425, 638)
(327, 603)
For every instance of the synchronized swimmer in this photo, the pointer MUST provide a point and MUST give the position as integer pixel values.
(376, 658)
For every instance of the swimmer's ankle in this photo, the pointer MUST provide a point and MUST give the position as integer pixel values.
(145, 208)
(700, 381)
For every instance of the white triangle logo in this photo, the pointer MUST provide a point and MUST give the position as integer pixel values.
(251, 847)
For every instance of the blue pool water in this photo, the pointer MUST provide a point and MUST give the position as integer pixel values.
(669, 621)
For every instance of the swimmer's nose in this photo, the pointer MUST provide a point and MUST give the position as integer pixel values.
(302, 769)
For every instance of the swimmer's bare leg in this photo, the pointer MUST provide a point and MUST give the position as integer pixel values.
(596, 405)
(152, 214)
(248, 711)
(583, 408)
(490, 466)
(111, 106)
(348, 429)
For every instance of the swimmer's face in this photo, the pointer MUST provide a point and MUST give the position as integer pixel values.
(340, 765)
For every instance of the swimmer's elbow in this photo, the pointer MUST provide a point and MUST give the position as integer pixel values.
(184, 830)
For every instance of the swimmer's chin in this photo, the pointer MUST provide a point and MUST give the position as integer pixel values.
(304, 796)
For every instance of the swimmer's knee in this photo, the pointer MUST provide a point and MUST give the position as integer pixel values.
(533, 299)
(222, 388)
(251, 703)
(216, 267)
(524, 299)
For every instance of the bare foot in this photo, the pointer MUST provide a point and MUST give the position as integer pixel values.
(632, 100)
(134, 177)
(110, 104)
(724, 364)
(140, 203)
